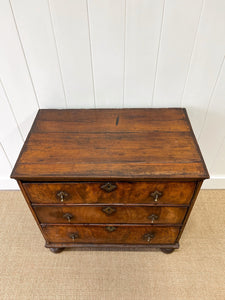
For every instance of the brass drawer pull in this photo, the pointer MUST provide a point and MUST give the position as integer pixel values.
(110, 228)
(109, 187)
(148, 236)
(74, 236)
(62, 195)
(108, 210)
(68, 216)
(153, 217)
(155, 195)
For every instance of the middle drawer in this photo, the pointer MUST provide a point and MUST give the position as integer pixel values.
(109, 214)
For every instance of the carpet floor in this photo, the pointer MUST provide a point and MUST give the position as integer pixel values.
(195, 271)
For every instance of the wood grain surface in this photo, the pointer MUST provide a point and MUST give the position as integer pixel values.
(113, 143)
(109, 214)
(126, 192)
(122, 234)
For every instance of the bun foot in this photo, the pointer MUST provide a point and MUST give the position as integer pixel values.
(167, 250)
(56, 250)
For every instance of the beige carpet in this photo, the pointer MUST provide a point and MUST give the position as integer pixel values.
(195, 271)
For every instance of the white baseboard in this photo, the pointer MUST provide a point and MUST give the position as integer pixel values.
(8, 184)
(212, 183)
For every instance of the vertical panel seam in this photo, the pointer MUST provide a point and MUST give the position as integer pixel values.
(57, 52)
(124, 50)
(23, 51)
(10, 106)
(192, 52)
(91, 52)
(211, 97)
(6, 155)
(158, 50)
(217, 152)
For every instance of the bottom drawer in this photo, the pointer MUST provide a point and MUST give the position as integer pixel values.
(111, 234)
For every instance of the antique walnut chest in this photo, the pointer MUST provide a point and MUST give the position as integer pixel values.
(111, 177)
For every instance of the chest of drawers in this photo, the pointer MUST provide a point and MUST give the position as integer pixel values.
(111, 177)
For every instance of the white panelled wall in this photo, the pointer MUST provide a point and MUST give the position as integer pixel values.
(113, 53)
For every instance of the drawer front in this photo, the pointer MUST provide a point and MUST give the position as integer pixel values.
(113, 192)
(109, 214)
(111, 234)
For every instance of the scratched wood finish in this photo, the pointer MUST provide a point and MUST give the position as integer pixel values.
(108, 148)
(99, 234)
(138, 151)
(116, 214)
(126, 192)
(111, 120)
(128, 143)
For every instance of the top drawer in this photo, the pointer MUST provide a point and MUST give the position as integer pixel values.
(111, 192)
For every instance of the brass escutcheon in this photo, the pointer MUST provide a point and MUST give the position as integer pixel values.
(109, 187)
(108, 210)
(110, 228)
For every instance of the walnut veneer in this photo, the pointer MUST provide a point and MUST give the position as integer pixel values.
(111, 177)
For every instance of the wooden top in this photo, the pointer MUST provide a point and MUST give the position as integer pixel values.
(94, 144)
